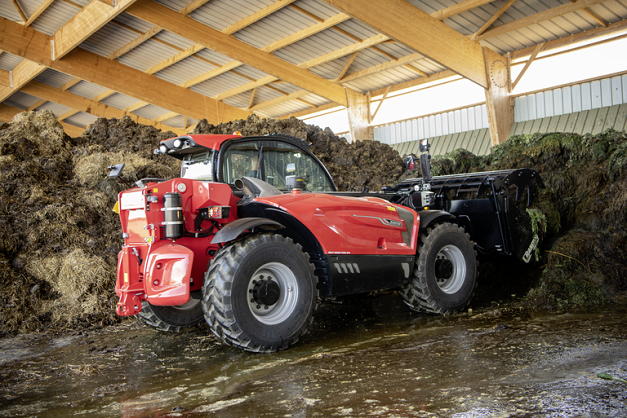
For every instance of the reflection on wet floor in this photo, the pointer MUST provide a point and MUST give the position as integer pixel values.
(372, 357)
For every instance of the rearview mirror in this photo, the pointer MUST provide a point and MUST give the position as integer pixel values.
(410, 162)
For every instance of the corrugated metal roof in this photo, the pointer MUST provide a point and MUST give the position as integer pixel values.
(8, 62)
(81, 119)
(21, 100)
(119, 101)
(53, 78)
(284, 21)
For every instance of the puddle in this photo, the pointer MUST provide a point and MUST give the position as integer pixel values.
(372, 357)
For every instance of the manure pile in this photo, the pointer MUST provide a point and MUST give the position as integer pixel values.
(584, 253)
(59, 238)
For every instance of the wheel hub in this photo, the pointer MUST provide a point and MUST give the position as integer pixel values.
(265, 291)
(450, 269)
(272, 293)
(443, 269)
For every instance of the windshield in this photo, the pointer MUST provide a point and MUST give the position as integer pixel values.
(198, 166)
(275, 162)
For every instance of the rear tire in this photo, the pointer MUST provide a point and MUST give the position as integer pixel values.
(171, 318)
(444, 276)
(260, 293)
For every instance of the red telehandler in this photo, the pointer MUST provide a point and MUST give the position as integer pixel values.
(254, 235)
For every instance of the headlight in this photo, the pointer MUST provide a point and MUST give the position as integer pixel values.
(163, 149)
(177, 143)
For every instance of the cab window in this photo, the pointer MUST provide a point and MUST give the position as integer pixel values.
(275, 162)
(198, 166)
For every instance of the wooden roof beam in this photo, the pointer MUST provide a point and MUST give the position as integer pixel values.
(277, 5)
(40, 9)
(35, 46)
(537, 18)
(281, 43)
(498, 14)
(35, 105)
(459, 8)
(92, 107)
(24, 72)
(593, 15)
(19, 10)
(279, 100)
(5, 78)
(527, 65)
(411, 26)
(406, 60)
(8, 112)
(153, 31)
(164, 117)
(572, 39)
(197, 32)
(377, 39)
(350, 35)
(85, 23)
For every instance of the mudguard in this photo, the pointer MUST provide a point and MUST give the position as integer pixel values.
(428, 216)
(167, 275)
(236, 228)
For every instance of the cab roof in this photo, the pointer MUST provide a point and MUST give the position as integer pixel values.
(205, 140)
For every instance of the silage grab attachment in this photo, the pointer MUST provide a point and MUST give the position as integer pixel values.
(492, 206)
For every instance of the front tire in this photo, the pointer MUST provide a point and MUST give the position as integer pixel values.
(444, 276)
(172, 318)
(260, 293)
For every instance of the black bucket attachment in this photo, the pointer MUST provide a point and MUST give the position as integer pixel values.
(490, 205)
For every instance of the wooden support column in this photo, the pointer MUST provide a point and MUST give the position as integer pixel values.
(500, 112)
(359, 116)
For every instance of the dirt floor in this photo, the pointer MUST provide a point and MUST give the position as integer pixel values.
(370, 357)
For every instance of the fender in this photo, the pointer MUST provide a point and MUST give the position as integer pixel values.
(167, 275)
(236, 228)
(428, 216)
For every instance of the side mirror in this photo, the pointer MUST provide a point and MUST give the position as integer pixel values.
(410, 162)
(115, 170)
(424, 145)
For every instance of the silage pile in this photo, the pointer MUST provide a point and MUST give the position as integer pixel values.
(58, 235)
(584, 255)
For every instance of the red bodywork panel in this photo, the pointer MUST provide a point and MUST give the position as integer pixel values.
(168, 270)
(151, 267)
(351, 225)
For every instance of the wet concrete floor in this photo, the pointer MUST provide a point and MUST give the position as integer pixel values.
(370, 357)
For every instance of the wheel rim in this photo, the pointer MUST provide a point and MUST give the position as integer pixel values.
(272, 293)
(450, 269)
